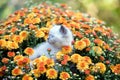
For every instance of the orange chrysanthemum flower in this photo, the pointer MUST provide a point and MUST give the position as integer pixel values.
(22, 62)
(26, 60)
(13, 29)
(75, 58)
(87, 59)
(16, 72)
(32, 27)
(80, 45)
(29, 51)
(41, 69)
(28, 21)
(41, 63)
(87, 41)
(90, 77)
(85, 26)
(27, 77)
(4, 68)
(106, 46)
(35, 20)
(66, 57)
(115, 69)
(51, 74)
(63, 62)
(2, 32)
(99, 42)
(98, 28)
(11, 54)
(66, 49)
(5, 60)
(78, 34)
(64, 76)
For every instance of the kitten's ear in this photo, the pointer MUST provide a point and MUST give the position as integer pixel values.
(63, 30)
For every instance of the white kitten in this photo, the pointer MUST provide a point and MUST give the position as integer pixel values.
(58, 36)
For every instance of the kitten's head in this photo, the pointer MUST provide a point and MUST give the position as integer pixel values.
(59, 36)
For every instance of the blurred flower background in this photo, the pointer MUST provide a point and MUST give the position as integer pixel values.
(106, 10)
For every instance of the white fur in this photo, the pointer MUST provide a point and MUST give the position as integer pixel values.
(56, 40)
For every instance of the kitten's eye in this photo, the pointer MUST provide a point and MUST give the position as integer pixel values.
(50, 36)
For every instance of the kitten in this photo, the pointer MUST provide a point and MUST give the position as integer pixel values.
(59, 36)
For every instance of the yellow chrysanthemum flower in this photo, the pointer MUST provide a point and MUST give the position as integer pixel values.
(66, 49)
(100, 67)
(7, 37)
(16, 72)
(43, 58)
(97, 50)
(18, 57)
(82, 65)
(50, 62)
(31, 15)
(3, 43)
(75, 58)
(64, 76)
(11, 45)
(59, 55)
(23, 34)
(18, 39)
(39, 34)
(51, 74)
(80, 45)
(36, 73)
(46, 31)
(29, 51)
(36, 61)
